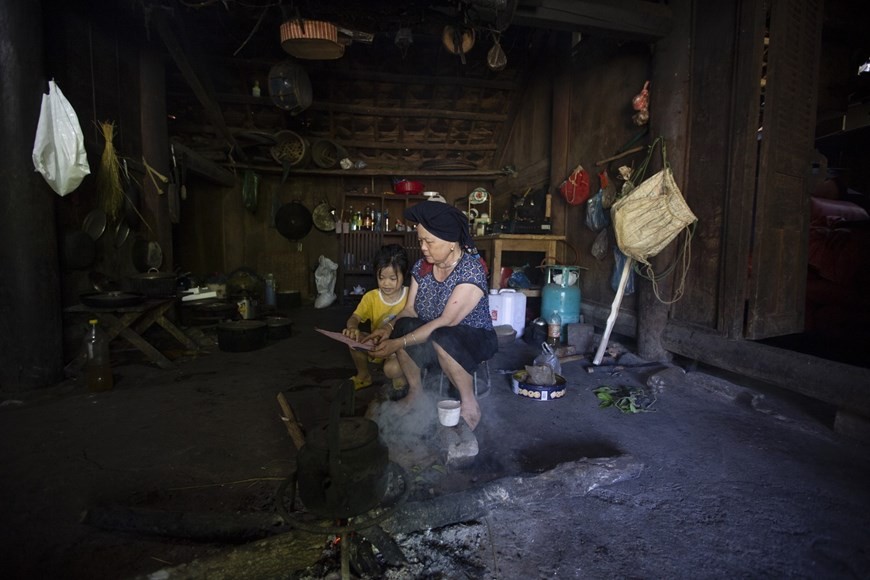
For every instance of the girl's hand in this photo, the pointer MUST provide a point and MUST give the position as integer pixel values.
(352, 333)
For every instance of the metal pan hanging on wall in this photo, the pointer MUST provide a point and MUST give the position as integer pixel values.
(324, 217)
(293, 220)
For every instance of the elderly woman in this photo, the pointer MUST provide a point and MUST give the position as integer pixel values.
(446, 321)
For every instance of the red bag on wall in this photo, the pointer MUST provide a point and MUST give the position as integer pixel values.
(575, 189)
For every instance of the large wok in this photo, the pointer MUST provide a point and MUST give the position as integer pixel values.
(293, 220)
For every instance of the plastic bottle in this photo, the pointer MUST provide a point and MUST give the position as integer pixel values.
(98, 368)
(270, 290)
(554, 329)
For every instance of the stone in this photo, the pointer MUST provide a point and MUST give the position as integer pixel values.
(458, 444)
(580, 336)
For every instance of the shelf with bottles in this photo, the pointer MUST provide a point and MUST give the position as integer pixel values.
(379, 212)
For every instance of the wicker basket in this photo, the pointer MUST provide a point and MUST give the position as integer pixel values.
(291, 149)
(326, 153)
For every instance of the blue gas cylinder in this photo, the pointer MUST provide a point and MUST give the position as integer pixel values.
(562, 294)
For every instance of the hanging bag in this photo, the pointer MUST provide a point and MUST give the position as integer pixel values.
(649, 216)
(59, 147)
(575, 189)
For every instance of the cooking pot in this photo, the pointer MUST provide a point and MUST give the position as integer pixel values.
(342, 468)
(153, 283)
(278, 327)
(241, 335)
(324, 217)
(408, 187)
(293, 220)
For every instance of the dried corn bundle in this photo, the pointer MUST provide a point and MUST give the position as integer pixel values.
(109, 176)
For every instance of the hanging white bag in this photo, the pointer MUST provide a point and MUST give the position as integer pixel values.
(59, 148)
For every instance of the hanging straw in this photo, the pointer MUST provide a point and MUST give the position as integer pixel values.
(109, 176)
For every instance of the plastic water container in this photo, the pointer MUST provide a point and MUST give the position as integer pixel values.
(507, 306)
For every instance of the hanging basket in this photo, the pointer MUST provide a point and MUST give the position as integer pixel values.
(326, 153)
(290, 149)
(311, 39)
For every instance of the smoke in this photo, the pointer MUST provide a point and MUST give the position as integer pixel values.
(406, 427)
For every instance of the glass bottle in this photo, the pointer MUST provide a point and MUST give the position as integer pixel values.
(554, 329)
(98, 367)
(386, 220)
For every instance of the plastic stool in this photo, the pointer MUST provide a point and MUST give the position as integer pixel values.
(484, 367)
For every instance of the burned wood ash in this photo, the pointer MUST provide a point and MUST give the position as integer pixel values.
(455, 552)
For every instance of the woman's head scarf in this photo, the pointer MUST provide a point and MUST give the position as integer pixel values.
(444, 221)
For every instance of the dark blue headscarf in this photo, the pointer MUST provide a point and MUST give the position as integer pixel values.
(444, 221)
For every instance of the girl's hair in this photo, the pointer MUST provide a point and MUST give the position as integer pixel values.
(392, 255)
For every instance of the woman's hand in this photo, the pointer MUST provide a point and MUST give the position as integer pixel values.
(385, 348)
(377, 336)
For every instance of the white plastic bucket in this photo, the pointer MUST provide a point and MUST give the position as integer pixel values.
(507, 306)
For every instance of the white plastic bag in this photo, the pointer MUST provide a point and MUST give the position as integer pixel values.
(324, 278)
(59, 148)
(548, 357)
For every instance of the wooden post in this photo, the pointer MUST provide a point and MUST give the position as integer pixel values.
(155, 149)
(669, 117)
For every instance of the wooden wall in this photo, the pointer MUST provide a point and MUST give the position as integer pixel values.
(218, 235)
(604, 76)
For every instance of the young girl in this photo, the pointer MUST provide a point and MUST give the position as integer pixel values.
(380, 306)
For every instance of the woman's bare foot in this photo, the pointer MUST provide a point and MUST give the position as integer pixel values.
(470, 411)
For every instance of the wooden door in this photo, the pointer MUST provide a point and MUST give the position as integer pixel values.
(777, 280)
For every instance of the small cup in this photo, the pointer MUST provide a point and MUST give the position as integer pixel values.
(448, 412)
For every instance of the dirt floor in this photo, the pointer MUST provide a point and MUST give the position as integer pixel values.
(734, 479)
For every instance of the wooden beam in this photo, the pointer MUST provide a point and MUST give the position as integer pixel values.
(362, 110)
(204, 167)
(842, 385)
(408, 112)
(159, 19)
(375, 172)
(623, 18)
(419, 146)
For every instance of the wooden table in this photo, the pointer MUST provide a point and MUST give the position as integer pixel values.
(494, 245)
(130, 322)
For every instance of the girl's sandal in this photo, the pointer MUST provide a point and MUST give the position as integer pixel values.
(361, 383)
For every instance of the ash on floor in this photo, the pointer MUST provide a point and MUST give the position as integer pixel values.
(455, 552)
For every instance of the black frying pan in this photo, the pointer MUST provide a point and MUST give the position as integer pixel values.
(293, 220)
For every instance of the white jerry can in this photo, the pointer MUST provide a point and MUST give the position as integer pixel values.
(507, 306)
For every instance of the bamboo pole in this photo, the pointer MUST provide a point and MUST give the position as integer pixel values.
(614, 310)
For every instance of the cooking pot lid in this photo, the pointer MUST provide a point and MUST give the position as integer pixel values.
(94, 224)
(293, 220)
(114, 299)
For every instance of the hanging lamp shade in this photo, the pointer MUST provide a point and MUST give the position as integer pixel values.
(290, 87)
(311, 39)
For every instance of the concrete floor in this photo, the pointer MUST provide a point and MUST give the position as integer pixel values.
(737, 480)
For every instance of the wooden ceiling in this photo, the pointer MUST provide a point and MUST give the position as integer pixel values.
(403, 110)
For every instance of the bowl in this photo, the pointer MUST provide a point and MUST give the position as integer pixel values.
(506, 334)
